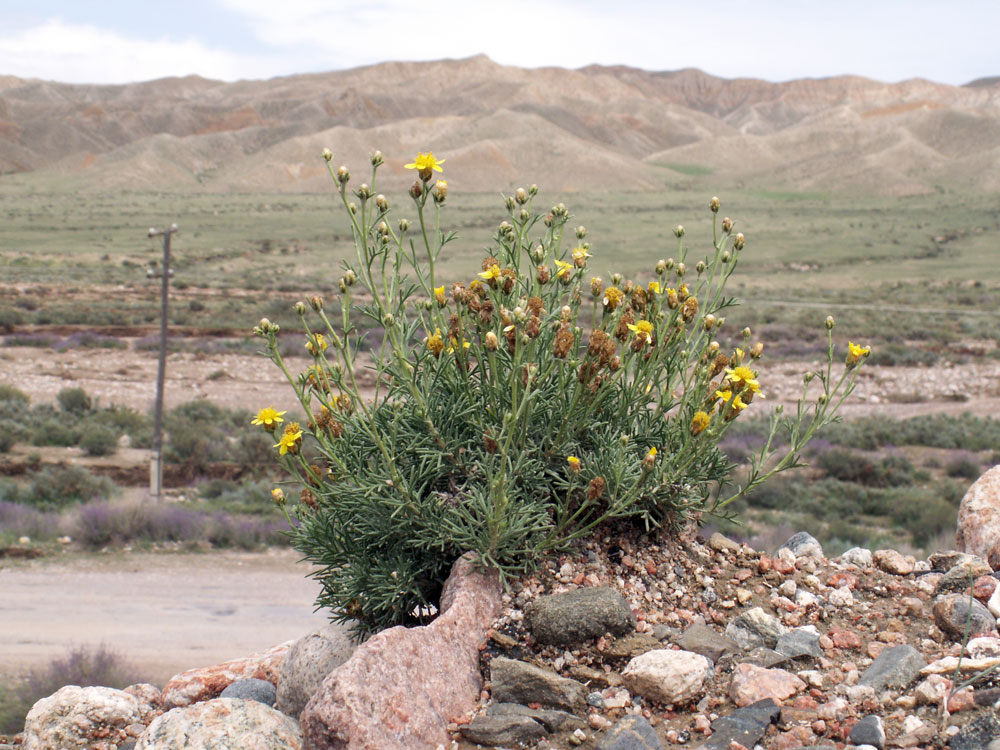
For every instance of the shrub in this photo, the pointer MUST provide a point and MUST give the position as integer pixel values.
(54, 431)
(514, 414)
(59, 486)
(850, 466)
(14, 395)
(963, 467)
(98, 440)
(74, 401)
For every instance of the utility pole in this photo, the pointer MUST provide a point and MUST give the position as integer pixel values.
(156, 460)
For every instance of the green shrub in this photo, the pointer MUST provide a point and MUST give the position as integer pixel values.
(98, 440)
(513, 414)
(74, 401)
(55, 431)
(14, 396)
(60, 486)
(963, 467)
(850, 466)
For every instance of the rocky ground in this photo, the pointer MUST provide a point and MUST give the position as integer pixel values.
(637, 643)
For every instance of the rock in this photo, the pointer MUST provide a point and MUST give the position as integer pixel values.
(667, 676)
(869, 731)
(745, 726)
(857, 556)
(751, 684)
(203, 683)
(520, 682)
(961, 576)
(977, 734)
(149, 700)
(803, 544)
(401, 687)
(983, 648)
(222, 723)
(509, 729)
(931, 691)
(894, 562)
(755, 628)
(841, 597)
(631, 732)
(951, 613)
(942, 562)
(308, 661)
(250, 689)
(993, 605)
(569, 618)
(701, 639)
(631, 646)
(895, 667)
(764, 657)
(798, 643)
(721, 543)
(75, 718)
(551, 719)
(979, 519)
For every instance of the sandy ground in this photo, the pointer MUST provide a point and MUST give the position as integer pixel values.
(163, 612)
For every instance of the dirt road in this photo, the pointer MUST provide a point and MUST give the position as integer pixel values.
(163, 612)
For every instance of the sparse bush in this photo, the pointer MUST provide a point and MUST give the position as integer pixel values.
(98, 440)
(963, 467)
(59, 486)
(516, 413)
(850, 466)
(74, 401)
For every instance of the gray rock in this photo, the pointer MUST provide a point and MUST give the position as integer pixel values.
(960, 577)
(575, 616)
(799, 643)
(508, 729)
(595, 699)
(520, 682)
(755, 628)
(895, 667)
(764, 657)
(250, 689)
(869, 731)
(942, 562)
(701, 639)
(977, 734)
(75, 718)
(803, 544)
(549, 718)
(631, 732)
(952, 613)
(127, 745)
(858, 556)
(223, 722)
(745, 725)
(308, 661)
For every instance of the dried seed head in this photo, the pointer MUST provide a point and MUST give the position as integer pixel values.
(689, 309)
(416, 190)
(563, 342)
(595, 489)
(544, 275)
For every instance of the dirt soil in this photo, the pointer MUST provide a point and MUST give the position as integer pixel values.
(163, 612)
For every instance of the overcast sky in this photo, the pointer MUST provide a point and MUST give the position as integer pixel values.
(115, 41)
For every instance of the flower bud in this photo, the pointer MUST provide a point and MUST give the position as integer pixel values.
(596, 286)
(524, 215)
(389, 320)
(822, 399)
(738, 241)
(726, 256)
(342, 286)
(363, 192)
(416, 190)
(565, 313)
(714, 204)
(661, 267)
(623, 440)
(709, 322)
(440, 190)
(316, 302)
(829, 322)
(713, 347)
(720, 322)
(352, 207)
(727, 225)
(681, 269)
(404, 225)
(700, 266)
(376, 157)
(382, 229)
(650, 459)
(521, 196)
(560, 210)
(581, 232)
(381, 202)
(615, 363)
(532, 189)
(807, 377)
(538, 254)
(491, 341)
(679, 231)
(264, 325)
(278, 496)
(300, 308)
(543, 275)
(350, 277)
(509, 202)
(616, 279)
(343, 176)
(327, 155)
(756, 350)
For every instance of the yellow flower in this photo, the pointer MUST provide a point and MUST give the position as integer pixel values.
(268, 418)
(426, 164)
(435, 344)
(612, 297)
(454, 343)
(737, 403)
(491, 274)
(439, 296)
(855, 353)
(290, 439)
(642, 330)
(699, 422)
(580, 256)
(564, 270)
(316, 344)
(278, 495)
(743, 377)
(738, 355)
(654, 287)
(574, 464)
(650, 459)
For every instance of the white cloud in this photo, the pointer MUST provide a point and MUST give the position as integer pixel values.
(71, 53)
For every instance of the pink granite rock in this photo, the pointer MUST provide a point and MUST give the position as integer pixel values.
(401, 687)
(78, 718)
(752, 683)
(204, 683)
(223, 723)
(979, 519)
